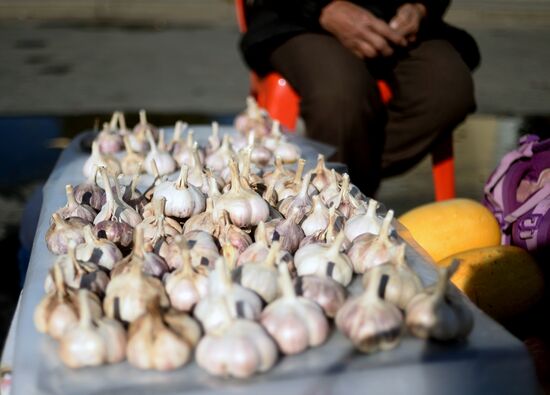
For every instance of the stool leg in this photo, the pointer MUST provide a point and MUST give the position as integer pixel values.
(443, 169)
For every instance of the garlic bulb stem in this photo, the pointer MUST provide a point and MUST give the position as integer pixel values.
(70, 195)
(285, 282)
(336, 245)
(385, 229)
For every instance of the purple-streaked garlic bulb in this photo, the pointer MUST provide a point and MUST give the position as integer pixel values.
(301, 201)
(260, 276)
(102, 252)
(259, 154)
(245, 207)
(203, 250)
(180, 149)
(238, 348)
(75, 209)
(278, 173)
(159, 229)
(368, 250)
(214, 141)
(58, 311)
(203, 221)
(211, 310)
(219, 159)
(296, 323)
(143, 256)
(187, 284)
(158, 154)
(400, 283)
(92, 342)
(288, 186)
(317, 219)
(259, 250)
(367, 222)
(97, 159)
(323, 290)
(182, 199)
(162, 340)
(132, 162)
(332, 190)
(328, 235)
(228, 233)
(128, 294)
(109, 141)
(77, 274)
(288, 232)
(344, 202)
(371, 323)
(440, 312)
(321, 176)
(325, 260)
(115, 209)
(89, 193)
(119, 233)
(143, 126)
(62, 232)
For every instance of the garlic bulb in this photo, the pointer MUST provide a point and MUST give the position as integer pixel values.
(332, 190)
(324, 259)
(182, 200)
(272, 139)
(260, 276)
(75, 209)
(92, 343)
(288, 152)
(162, 341)
(119, 233)
(102, 252)
(321, 177)
(211, 310)
(290, 186)
(295, 322)
(203, 250)
(368, 250)
(259, 154)
(219, 159)
(440, 312)
(227, 233)
(399, 282)
(344, 202)
(245, 207)
(142, 256)
(182, 151)
(109, 141)
(371, 323)
(203, 221)
(131, 195)
(158, 230)
(362, 223)
(324, 291)
(251, 119)
(214, 141)
(162, 158)
(143, 126)
(288, 232)
(259, 250)
(132, 162)
(97, 159)
(317, 219)
(278, 173)
(78, 274)
(239, 348)
(89, 193)
(58, 311)
(328, 235)
(115, 208)
(301, 201)
(187, 285)
(62, 232)
(128, 294)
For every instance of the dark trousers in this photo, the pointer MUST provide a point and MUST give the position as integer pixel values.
(340, 101)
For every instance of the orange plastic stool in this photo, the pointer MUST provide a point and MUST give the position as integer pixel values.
(282, 102)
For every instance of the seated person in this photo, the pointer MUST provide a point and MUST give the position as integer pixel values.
(333, 52)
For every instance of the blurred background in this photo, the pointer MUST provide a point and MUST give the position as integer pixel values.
(67, 64)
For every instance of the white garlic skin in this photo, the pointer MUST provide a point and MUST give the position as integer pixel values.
(102, 252)
(326, 292)
(62, 232)
(182, 200)
(362, 223)
(239, 350)
(324, 260)
(259, 278)
(440, 312)
(97, 159)
(317, 219)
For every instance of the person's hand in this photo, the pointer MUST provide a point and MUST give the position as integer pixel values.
(359, 30)
(407, 20)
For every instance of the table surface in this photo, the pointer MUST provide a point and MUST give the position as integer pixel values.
(491, 360)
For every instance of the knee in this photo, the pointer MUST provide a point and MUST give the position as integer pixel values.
(451, 90)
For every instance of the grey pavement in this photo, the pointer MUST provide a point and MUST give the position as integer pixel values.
(77, 56)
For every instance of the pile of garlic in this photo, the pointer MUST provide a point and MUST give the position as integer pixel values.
(232, 255)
